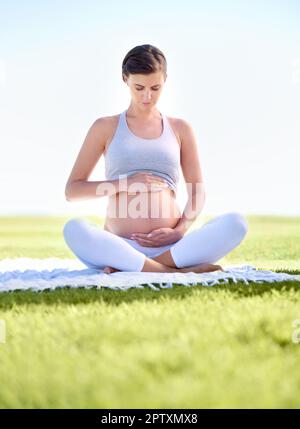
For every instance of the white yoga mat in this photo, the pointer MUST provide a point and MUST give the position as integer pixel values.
(51, 273)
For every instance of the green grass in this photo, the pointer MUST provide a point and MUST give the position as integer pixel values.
(226, 346)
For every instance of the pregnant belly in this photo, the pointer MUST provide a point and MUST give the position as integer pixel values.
(141, 212)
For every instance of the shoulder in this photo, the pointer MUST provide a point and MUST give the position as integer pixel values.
(181, 127)
(105, 124)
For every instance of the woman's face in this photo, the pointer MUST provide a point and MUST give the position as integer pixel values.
(145, 88)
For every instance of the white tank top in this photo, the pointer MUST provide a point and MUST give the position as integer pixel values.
(128, 154)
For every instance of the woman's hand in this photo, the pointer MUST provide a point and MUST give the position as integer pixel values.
(143, 182)
(158, 237)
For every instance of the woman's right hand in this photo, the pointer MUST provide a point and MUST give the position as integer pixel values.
(145, 182)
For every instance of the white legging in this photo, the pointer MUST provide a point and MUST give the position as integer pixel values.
(98, 248)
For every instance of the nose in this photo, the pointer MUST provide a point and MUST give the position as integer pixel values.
(147, 94)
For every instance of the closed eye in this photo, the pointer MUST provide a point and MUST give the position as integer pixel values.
(140, 89)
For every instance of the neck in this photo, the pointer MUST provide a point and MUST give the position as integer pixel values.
(144, 113)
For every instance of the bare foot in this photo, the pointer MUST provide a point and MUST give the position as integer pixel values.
(109, 270)
(201, 268)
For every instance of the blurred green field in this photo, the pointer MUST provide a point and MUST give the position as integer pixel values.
(228, 346)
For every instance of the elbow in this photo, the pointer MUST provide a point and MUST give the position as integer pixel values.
(71, 191)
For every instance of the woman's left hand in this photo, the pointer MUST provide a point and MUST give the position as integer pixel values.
(157, 238)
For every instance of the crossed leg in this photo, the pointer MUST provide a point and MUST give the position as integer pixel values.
(207, 244)
(202, 247)
(97, 248)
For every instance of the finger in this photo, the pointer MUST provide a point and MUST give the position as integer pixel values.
(157, 185)
(144, 240)
(146, 235)
(142, 236)
(155, 234)
(149, 243)
(155, 177)
(159, 182)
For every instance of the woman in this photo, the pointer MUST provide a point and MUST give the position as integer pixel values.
(144, 150)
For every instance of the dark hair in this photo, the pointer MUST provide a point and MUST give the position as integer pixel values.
(144, 59)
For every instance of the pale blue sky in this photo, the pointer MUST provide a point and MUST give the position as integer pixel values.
(233, 74)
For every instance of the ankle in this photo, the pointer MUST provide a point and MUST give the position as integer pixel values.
(172, 270)
(153, 266)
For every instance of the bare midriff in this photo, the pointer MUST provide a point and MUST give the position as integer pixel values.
(141, 212)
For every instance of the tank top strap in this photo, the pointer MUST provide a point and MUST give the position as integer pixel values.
(168, 130)
(122, 120)
(121, 129)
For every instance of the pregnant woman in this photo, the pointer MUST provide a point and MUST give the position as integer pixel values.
(144, 150)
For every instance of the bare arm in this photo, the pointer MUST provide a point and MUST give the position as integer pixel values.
(192, 173)
(78, 187)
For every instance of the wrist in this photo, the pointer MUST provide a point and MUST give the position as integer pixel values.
(180, 231)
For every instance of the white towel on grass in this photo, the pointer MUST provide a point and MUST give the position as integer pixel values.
(51, 273)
